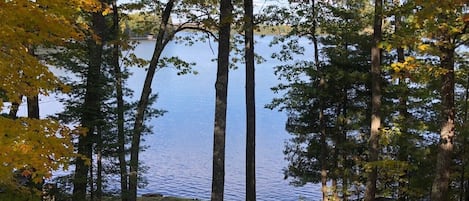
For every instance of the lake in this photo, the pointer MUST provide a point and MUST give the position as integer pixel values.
(179, 153)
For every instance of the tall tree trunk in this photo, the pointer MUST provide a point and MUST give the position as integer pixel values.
(250, 102)
(120, 104)
(221, 88)
(375, 102)
(445, 149)
(161, 42)
(91, 108)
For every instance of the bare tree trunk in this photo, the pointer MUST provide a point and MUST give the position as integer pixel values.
(250, 103)
(375, 102)
(221, 88)
(445, 149)
(161, 42)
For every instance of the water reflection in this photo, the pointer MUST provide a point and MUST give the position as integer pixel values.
(180, 150)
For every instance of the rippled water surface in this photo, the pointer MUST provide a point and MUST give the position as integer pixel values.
(179, 152)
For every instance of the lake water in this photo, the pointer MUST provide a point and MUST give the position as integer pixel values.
(179, 153)
(180, 150)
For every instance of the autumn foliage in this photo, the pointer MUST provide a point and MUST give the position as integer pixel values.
(34, 146)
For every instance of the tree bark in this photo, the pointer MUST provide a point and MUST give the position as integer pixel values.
(221, 87)
(375, 102)
(161, 42)
(250, 102)
(120, 105)
(33, 107)
(91, 108)
(445, 149)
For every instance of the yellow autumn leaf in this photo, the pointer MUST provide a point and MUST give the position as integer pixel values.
(423, 47)
(106, 11)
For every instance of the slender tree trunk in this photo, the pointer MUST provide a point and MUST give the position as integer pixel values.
(161, 42)
(221, 88)
(250, 103)
(91, 108)
(120, 105)
(445, 149)
(375, 102)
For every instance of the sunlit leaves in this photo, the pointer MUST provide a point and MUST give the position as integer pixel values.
(44, 145)
(30, 30)
(27, 28)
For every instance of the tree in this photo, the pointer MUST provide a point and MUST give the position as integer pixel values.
(31, 29)
(91, 109)
(120, 104)
(161, 40)
(221, 87)
(375, 102)
(325, 100)
(37, 146)
(250, 102)
(447, 28)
